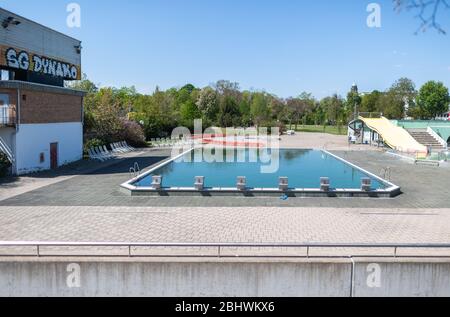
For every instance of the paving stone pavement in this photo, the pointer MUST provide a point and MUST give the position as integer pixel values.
(422, 186)
(224, 225)
(91, 208)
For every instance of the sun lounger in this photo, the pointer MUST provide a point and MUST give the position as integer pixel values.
(101, 154)
(114, 149)
(117, 149)
(125, 144)
(105, 150)
(94, 156)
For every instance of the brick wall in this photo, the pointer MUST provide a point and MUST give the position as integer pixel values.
(42, 107)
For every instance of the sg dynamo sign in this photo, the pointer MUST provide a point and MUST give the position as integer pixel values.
(20, 59)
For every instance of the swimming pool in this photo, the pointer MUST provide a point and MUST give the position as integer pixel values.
(302, 168)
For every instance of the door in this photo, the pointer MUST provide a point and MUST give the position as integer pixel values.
(54, 155)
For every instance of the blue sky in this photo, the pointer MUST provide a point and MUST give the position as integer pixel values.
(281, 46)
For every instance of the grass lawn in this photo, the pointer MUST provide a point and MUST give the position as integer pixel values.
(320, 129)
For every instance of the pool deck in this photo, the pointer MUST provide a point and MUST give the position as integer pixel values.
(84, 203)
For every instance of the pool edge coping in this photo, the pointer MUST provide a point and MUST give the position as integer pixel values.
(391, 191)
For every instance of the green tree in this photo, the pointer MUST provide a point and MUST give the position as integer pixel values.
(370, 102)
(245, 109)
(208, 104)
(278, 110)
(259, 108)
(334, 109)
(295, 109)
(352, 105)
(394, 101)
(125, 97)
(433, 99)
(229, 112)
(189, 112)
(107, 123)
(89, 101)
(309, 104)
(405, 89)
(391, 106)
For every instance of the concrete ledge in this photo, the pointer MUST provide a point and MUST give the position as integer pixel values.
(225, 277)
(300, 193)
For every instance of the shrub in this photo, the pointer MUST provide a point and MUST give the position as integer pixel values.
(133, 133)
(5, 165)
(92, 143)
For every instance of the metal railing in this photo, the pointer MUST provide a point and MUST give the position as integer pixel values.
(220, 248)
(370, 115)
(7, 121)
(7, 150)
(7, 116)
(437, 137)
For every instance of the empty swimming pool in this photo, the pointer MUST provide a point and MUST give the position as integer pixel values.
(303, 171)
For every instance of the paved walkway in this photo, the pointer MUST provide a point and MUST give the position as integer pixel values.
(17, 185)
(90, 207)
(423, 187)
(223, 225)
(304, 140)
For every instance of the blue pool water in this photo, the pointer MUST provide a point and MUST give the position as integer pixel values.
(303, 167)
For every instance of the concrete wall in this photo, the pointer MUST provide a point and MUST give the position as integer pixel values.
(224, 278)
(443, 132)
(408, 278)
(34, 139)
(421, 124)
(442, 128)
(177, 279)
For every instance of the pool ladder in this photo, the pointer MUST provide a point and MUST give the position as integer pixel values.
(135, 171)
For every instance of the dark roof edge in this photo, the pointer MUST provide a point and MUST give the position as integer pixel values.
(15, 84)
(39, 24)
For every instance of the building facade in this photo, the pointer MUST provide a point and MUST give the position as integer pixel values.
(41, 121)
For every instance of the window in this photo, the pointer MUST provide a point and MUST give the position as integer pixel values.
(4, 75)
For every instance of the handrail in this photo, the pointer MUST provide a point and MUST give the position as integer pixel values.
(5, 148)
(437, 137)
(7, 116)
(225, 244)
(219, 246)
(371, 115)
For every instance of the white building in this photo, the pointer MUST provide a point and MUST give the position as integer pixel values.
(41, 122)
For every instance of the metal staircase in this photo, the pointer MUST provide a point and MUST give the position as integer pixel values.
(425, 138)
(7, 150)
